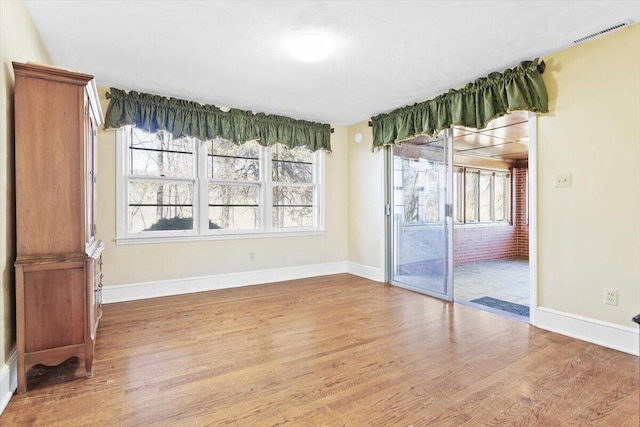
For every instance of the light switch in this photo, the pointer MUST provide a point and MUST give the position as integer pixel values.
(562, 180)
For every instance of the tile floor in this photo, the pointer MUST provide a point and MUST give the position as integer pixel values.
(505, 279)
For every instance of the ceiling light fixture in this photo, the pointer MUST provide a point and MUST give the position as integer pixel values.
(310, 47)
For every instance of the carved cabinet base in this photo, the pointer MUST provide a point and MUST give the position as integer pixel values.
(57, 310)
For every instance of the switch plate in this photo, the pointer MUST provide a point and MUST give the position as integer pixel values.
(562, 180)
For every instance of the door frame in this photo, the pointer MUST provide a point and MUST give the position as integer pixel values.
(447, 137)
(533, 218)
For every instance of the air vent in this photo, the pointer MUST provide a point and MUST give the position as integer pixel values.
(605, 31)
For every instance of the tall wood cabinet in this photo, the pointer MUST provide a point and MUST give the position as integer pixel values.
(59, 258)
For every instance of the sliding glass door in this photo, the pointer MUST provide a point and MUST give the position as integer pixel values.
(420, 209)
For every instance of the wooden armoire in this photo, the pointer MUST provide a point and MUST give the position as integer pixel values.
(58, 256)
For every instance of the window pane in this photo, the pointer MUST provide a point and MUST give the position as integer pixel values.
(292, 217)
(471, 194)
(500, 200)
(457, 200)
(485, 196)
(159, 154)
(293, 207)
(234, 217)
(411, 187)
(148, 218)
(234, 206)
(298, 154)
(160, 206)
(432, 196)
(228, 161)
(286, 171)
(233, 195)
(292, 196)
(291, 165)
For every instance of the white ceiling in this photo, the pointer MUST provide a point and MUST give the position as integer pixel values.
(233, 53)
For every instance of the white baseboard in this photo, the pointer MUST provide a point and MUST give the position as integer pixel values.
(365, 271)
(595, 331)
(8, 380)
(163, 288)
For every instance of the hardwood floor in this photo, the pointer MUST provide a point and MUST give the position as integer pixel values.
(331, 351)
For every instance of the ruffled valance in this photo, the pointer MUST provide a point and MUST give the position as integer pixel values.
(180, 117)
(474, 106)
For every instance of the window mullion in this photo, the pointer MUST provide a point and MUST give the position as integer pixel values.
(462, 194)
(122, 176)
(203, 187)
(234, 182)
(478, 200)
(294, 184)
(492, 196)
(266, 208)
(507, 208)
(318, 193)
(163, 179)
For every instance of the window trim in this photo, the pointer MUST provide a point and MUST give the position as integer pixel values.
(200, 210)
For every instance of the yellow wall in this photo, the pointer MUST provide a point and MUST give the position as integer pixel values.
(128, 264)
(20, 42)
(366, 200)
(589, 234)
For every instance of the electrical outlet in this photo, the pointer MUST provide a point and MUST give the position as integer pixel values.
(611, 296)
(562, 180)
(252, 256)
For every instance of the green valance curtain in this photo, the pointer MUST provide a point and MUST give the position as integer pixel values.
(475, 105)
(180, 117)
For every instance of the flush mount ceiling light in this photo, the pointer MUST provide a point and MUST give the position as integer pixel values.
(310, 47)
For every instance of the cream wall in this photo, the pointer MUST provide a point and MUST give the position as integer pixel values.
(131, 264)
(20, 42)
(589, 234)
(366, 204)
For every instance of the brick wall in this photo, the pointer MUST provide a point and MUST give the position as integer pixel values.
(486, 242)
(481, 242)
(519, 211)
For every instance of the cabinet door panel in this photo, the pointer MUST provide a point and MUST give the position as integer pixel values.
(48, 168)
(54, 301)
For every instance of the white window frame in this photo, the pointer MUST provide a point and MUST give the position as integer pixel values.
(461, 217)
(201, 182)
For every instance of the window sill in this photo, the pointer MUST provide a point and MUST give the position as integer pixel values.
(483, 224)
(135, 240)
(422, 225)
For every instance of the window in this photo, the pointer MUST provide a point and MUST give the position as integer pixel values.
(162, 182)
(173, 188)
(233, 187)
(483, 195)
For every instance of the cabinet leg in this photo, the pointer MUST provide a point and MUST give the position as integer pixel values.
(22, 380)
(88, 359)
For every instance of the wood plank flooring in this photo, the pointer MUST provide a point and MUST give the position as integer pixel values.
(330, 351)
